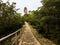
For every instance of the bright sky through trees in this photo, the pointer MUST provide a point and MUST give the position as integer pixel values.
(30, 4)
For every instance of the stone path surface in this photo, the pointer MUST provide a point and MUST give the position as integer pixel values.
(27, 37)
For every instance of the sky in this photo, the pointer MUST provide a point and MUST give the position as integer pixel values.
(30, 4)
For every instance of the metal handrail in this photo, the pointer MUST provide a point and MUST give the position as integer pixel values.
(14, 33)
(9, 35)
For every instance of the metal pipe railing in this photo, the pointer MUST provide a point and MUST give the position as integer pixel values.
(6, 37)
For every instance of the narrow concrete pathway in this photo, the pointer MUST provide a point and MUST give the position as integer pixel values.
(27, 37)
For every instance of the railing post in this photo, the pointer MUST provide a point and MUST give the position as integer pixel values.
(0, 43)
(20, 39)
(16, 39)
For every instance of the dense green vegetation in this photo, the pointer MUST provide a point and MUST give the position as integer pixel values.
(46, 20)
(10, 20)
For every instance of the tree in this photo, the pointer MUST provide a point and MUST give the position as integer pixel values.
(51, 7)
(10, 20)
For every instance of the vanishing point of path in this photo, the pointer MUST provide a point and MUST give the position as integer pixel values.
(27, 37)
